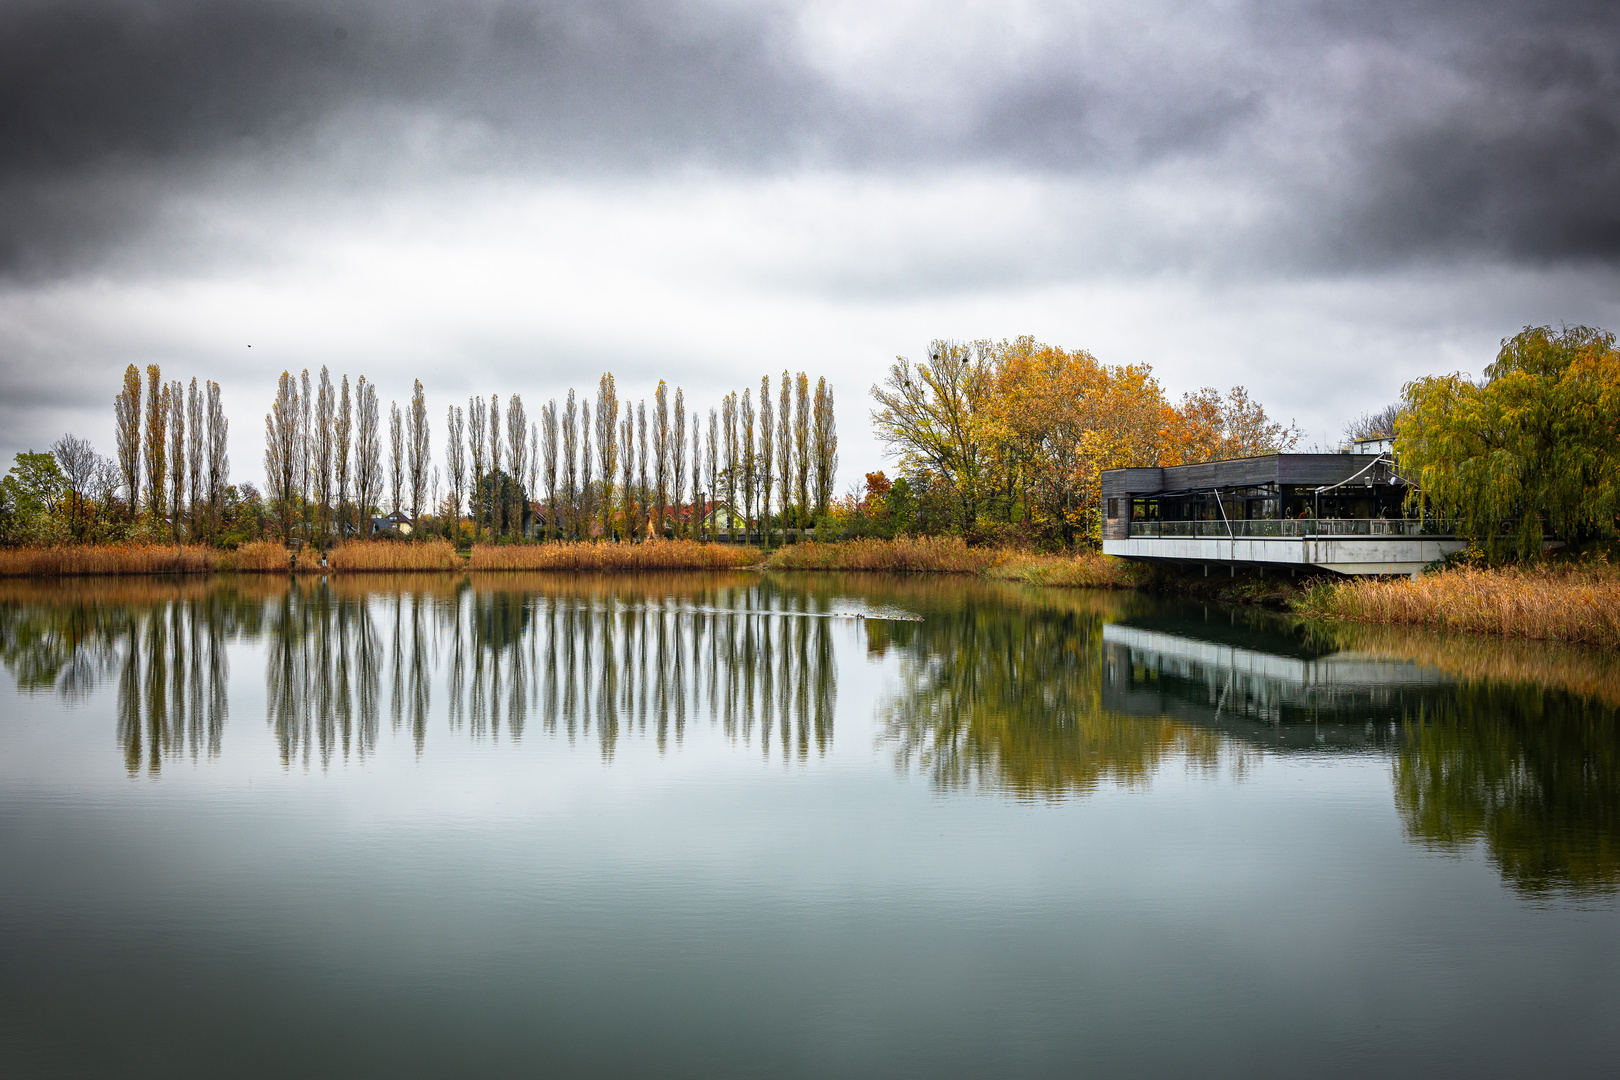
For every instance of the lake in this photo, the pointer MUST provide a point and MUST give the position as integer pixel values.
(789, 826)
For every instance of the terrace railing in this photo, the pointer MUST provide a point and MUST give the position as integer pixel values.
(1290, 527)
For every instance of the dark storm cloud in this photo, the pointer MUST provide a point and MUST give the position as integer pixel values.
(1372, 133)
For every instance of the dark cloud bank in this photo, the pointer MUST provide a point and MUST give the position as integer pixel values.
(1374, 134)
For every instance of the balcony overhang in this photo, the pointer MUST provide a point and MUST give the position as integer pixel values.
(1354, 555)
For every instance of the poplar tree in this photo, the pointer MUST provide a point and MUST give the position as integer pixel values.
(281, 450)
(127, 424)
(678, 458)
(661, 448)
(306, 453)
(219, 462)
(455, 465)
(324, 439)
(825, 440)
(517, 451)
(749, 461)
(627, 440)
(767, 453)
(176, 394)
(570, 452)
(784, 446)
(396, 456)
(801, 448)
(342, 432)
(476, 419)
(368, 474)
(548, 468)
(728, 420)
(641, 469)
(698, 494)
(714, 467)
(156, 444)
(495, 515)
(587, 482)
(418, 451)
(607, 447)
(196, 448)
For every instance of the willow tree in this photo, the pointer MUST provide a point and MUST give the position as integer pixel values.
(1532, 449)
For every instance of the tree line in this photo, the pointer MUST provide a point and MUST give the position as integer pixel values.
(1013, 436)
(607, 468)
(169, 479)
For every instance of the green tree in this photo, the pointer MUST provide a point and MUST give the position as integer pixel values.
(1533, 449)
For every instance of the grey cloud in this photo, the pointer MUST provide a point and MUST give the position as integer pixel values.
(1376, 133)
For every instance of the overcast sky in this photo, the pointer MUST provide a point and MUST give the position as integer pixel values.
(1318, 201)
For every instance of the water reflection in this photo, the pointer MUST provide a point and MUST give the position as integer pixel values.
(163, 645)
(1531, 772)
(1005, 693)
(1037, 694)
(603, 660)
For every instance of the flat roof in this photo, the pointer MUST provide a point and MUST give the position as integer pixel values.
(1312, 470)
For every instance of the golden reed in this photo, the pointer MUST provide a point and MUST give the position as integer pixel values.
(84, 560)
(905, 555)
(612, 558)
(1578, 604)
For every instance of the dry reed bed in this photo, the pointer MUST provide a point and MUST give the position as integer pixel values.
(85, 560)
(905, 555)
(657, 555)
(1085, 570)
(1574, 604)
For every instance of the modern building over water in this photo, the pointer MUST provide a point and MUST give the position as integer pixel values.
(1346, 513)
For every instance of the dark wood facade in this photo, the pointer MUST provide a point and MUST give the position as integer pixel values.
(1267, 487)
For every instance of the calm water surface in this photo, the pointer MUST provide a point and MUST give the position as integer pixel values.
(718, 826)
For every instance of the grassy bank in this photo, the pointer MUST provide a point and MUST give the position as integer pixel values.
(655, 556)
(1579, 604)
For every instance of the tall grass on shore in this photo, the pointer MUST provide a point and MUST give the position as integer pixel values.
(904, 555)
(385, 556)
(84, 560)
(1578, 604)
(613, 558)
(1082, 570)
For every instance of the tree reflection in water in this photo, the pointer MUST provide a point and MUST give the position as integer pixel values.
(609, 658)
(1006, 695)
(164, 643)
(1532, 774)
(999, 688)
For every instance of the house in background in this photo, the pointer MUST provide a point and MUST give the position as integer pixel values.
(391, 523)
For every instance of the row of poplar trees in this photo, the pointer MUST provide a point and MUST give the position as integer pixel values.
(606, 468)
(172, 451)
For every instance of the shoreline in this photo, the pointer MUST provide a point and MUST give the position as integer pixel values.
(1577, 604)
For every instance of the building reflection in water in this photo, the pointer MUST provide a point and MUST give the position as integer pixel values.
(1008, 697)
(602, 662)
(1528, 772)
